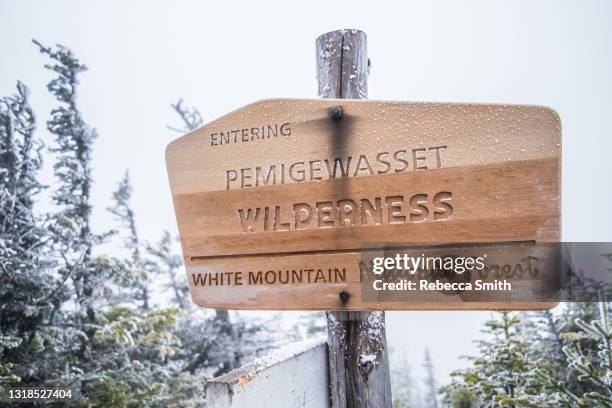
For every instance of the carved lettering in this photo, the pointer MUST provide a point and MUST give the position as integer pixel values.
(329, 169)
(251, 134)
(349, 212)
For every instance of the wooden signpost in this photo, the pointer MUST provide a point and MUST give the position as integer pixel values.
(275, 201)
(279, 202)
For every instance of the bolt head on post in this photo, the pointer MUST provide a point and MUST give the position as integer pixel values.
(335, 112)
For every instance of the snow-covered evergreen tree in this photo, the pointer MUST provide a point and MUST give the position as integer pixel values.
(29, 294)
(589, 356)
(105, 352)
(139, 279)
(429, 382)
(71, 229)
(404, 389)
(20, 160)
(74, 317)
(167, 263)
(501, 375)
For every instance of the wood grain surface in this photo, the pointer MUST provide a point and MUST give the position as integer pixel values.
(278, 185)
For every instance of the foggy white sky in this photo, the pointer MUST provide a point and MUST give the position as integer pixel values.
(220, 55)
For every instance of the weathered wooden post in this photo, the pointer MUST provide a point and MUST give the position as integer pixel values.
(358, 359)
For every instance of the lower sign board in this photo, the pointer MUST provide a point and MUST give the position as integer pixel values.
(283, 205)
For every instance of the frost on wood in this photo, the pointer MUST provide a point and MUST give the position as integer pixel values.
(336, 328)
(371, 336)
(358, 359)
(376, 328)
(245, 374)
(292, 377)
(359, 371)
(365, 359)
(286, 353)
(342, 65)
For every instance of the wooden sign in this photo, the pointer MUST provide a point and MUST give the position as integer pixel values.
(276, 200)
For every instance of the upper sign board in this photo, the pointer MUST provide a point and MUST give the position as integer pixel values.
(276, 201)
